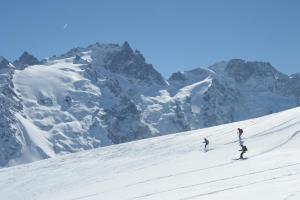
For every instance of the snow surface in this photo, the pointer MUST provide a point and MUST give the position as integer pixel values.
(173, 167)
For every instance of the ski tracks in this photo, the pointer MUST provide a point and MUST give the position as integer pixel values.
(277, 146)
(239, 186)
(214, 181)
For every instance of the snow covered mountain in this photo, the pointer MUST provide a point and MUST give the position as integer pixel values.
(107, 94)
(173, 167)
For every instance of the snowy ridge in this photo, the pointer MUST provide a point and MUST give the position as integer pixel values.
(108, 94)
(173, 167)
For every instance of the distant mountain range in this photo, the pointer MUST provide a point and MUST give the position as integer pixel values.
(107, 94)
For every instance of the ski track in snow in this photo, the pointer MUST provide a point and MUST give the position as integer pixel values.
(236, 187)
(172, 167)
(213, 181)
(278, 146)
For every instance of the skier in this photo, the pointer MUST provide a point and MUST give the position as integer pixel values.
(243, 150)
(206, 142)
(240, 132)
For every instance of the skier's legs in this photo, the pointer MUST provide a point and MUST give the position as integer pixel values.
(240, 137)
(241, 156)
(241, 142)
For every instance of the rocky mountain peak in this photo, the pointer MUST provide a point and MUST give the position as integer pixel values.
(191, 76)
(126, 48)
(3, 63)
(25, 60)
(177, 76)
(241, 70)
(1, 58)
(132, 64)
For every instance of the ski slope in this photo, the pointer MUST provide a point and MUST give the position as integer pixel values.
(173, 167)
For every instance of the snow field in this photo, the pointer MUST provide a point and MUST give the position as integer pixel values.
(173, 167)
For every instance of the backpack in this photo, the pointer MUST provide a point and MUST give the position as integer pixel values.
(245, 148)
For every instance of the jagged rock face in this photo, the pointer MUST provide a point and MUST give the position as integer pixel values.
(189, 77)
(240, 70)
(262, 76)
(125, 123)
(291, 86)
(218, 107)
(243, 71)
(177, 76)
(9, 133)
(3, 63)
(25, 60)
(10, 145)
(133, 65)
(294, 84)
(108, 94)
(79, 60)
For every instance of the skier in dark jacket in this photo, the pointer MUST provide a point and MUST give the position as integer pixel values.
(243, 150)
(240, 132)
(206, 142)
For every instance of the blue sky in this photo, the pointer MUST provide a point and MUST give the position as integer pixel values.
(173, 35)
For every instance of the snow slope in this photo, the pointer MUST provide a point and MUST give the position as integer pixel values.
(173, 167)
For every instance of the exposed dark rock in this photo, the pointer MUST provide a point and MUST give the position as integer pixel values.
(25, 60)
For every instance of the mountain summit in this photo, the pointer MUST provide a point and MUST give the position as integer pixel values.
(25, 60)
